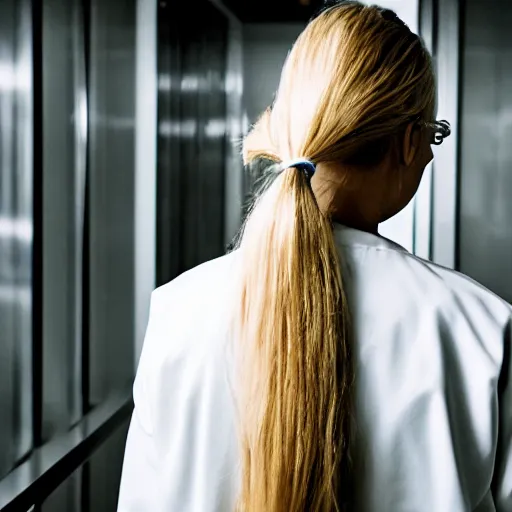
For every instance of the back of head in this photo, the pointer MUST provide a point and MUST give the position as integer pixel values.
(354, 78)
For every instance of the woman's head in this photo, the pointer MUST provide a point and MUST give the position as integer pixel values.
(357, 94)
(357, 99)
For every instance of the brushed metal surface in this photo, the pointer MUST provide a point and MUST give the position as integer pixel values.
(485, 238)
(16, 231)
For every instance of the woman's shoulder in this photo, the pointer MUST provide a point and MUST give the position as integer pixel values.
(465, 291)
(187, 313)
(201, 282)
(417, 281)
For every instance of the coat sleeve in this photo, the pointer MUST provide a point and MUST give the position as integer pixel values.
(139, 481)
(503, 471)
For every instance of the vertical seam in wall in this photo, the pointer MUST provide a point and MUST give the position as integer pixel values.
(37, 251)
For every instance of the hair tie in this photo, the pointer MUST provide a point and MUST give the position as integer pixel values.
(302, 164)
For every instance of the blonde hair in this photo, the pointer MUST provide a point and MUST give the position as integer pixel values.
(355, 77)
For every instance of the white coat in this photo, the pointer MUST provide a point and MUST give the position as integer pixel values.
(433, 407)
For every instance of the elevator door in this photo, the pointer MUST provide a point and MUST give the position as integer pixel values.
(485, 201)
(191, 136)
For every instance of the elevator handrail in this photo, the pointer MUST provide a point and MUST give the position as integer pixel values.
(48, 466)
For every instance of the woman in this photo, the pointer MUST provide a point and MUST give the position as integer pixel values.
(320, 367)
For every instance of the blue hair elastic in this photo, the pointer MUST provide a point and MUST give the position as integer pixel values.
(306, 166)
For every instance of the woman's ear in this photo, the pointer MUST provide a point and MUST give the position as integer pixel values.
(411, 143)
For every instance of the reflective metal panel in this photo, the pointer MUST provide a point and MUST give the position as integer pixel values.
(446, 163)
(209, 164)
(145, 165)
(16, 228)
(48, 466)
(93, 487)
(64, 143)
(191, 89)
(169, 178)
(103, 474)
(192, 131)
(485, 251)
(265, 48)
(112, 198)
(67, 497)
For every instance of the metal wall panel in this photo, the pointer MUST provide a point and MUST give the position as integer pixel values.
(446, 163)
(102, 474)
(112, 199)
(64, 143)
(16, 231)
(192, 118)
(210, 162)
(169, 179)
(94, 486)
(145, 165)
(265, 47)
(77, 199)
(67, 497)
(485, 250)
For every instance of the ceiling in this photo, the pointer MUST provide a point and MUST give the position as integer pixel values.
(273, 11)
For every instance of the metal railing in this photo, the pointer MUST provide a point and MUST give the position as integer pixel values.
(51, 464)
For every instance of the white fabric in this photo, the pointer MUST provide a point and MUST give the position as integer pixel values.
(432, 352)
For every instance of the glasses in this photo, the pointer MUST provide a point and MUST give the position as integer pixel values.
(439, 130)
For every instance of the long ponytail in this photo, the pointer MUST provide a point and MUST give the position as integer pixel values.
(354, 78)
(297, 366)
